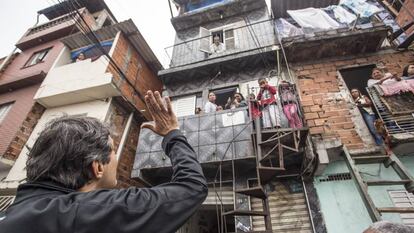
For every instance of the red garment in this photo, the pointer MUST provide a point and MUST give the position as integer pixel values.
(255, 111)
(267, 95)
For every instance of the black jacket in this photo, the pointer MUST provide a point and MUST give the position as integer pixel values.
(45, 207)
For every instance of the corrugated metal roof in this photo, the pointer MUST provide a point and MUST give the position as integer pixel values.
(129, 29)
(279, 7)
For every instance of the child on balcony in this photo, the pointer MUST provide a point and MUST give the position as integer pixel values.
(268, 101)
(289, 103)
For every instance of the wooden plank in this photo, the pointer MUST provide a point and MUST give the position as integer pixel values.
(362, 188)
(387, 182)
(396, 210)
(244, 213)
(402, 171)
(370, 159)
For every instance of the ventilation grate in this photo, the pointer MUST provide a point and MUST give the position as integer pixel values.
(337, 177)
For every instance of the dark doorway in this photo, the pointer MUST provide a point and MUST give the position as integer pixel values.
(357, 77)
(222, 95)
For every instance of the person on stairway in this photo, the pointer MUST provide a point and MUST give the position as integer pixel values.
(268, 101)
(289, 104)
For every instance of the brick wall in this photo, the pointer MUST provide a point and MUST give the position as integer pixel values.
(22, 105)
(327, 113)
(24, 132)
(137, 72)
(126, 160)
(117, 120)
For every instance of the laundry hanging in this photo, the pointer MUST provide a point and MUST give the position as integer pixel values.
(313, 18)
(342, 15)
(361, 7)
(286, 29)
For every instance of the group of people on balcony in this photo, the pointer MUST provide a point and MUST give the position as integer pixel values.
(390, 85)
(265, 106)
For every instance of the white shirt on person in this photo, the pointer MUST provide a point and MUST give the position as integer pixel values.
(217, 48)
(210, 107)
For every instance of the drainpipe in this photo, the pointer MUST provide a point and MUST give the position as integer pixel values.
(124, 136)
(308, 205)
(3, 65)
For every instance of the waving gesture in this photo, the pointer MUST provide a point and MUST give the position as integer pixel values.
(161, 111)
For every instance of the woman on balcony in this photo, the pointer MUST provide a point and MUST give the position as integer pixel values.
(379, 77)
(365, 107)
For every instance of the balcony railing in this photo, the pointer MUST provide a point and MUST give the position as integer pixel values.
(238, 39)
(396, 112)
(52, 23)
(211, 135)
(219, 136)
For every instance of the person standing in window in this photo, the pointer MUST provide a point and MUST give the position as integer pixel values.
(239, 101)
(80, 57)
(217, 46)
(211, 103)
(365, 106)
(379, 77)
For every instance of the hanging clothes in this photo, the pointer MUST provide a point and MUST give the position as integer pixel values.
(361, 7)
(342, 15)
(286, 29)
(313, 18)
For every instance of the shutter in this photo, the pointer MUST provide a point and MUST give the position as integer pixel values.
(402, 198)
(229, 39)
(205, 40)
(184, 106)
(288, 211)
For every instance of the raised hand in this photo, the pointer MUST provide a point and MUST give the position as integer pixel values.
(164, 119)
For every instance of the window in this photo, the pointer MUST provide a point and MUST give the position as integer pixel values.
(185, 106)
(37, 57)
(394, 6)
(4, 109)
(226, 35)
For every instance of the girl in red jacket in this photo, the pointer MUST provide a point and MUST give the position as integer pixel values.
(268, 101)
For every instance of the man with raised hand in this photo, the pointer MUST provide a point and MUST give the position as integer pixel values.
(71, 179)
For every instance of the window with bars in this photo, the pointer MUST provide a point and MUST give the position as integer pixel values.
(37, 57)
(394, 6)
(4, 109)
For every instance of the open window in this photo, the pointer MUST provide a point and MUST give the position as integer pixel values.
(4, 109)
(226, 35)
(222, 95)
(37, 57)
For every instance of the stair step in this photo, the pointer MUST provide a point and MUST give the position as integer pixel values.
(244, 213)
(267, 173)
(254, 192)
(396, 210)
(387, 182)
(370, 159)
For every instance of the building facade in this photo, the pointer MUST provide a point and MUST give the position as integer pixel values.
(327, 175)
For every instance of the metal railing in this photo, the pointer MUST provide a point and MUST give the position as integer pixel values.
(253, 36)
(394, 123)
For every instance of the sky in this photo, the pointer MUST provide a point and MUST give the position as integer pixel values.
(151, 17)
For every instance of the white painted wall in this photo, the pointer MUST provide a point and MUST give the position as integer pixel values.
(97, 109)
(76, 82)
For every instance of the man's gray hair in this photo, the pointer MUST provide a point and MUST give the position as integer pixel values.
(389, 227)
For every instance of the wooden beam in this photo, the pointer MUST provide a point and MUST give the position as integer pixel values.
(387, 182)
(362, 188)
(400, 210)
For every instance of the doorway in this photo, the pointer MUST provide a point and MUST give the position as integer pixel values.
(207, 220)
(357, 77)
